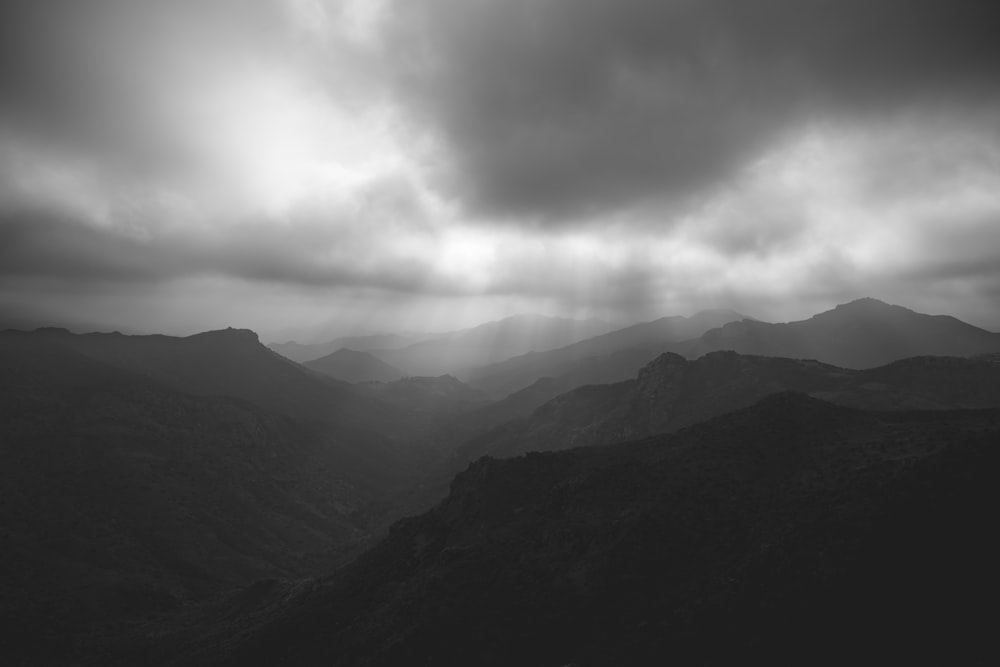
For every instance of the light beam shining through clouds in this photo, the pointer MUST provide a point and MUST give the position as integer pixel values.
(308, 167)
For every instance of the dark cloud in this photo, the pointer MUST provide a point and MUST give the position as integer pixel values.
(556, 109)
(36, 244)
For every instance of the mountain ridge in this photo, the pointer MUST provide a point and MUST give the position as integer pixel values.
(862, 333)
(633, 345)
(787, 525)
(672, 392)
(354, 366)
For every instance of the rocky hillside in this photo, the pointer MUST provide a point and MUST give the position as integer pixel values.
(791, 530)
(672, 392)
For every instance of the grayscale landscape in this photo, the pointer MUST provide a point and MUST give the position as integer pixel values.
(510, 332)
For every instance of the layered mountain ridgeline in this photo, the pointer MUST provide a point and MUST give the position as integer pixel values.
(521, 403)
(610, 357)
(860, 334)
(672, 392)
(301, 353)
(791, 531)
(353, 366)
(141, 473)
(488, 343)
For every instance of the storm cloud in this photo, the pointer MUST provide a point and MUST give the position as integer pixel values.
(556, 109)
(424, 163)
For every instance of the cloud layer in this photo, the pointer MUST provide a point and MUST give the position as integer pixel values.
(445, 160)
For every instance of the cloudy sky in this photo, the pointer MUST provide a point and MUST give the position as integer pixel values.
(304, 167)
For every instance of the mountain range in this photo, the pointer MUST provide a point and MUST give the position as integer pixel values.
(455, 351)
(390, 341)
(790, 530)
(860, 334)
(205, 500)
(672, 392)
(489, 343)
(354, 366)
(610, 357)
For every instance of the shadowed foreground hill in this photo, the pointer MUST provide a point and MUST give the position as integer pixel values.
(792, 531)
(228, 362)
(233, 362)
(671, 393)
(122, 495)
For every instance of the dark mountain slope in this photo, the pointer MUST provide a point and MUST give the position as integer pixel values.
(611, 357)
(860, 334)
(234, 363)
(791, 531)
(120, 496)
(230, 362)
(353, 366)
(671, 393)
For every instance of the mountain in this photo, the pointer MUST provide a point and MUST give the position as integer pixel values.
(672, 392)
(610, 357)
(230, 362)
(233, 362)
(859, 334)
(793, 530)
(488, 343)
(354, 366)
(304, 352)
(521, 403)
(121, 496)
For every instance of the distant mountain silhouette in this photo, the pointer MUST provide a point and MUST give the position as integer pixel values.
(791, 530)
(610, 357)
(672, 392)
(307, 352)
(860, 334)
(354, 366)
(489, 343)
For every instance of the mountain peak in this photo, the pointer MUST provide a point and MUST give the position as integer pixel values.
(354, 366)
(229, 334)
(868, 304)
(663, 364)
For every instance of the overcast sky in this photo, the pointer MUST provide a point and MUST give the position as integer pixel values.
(305, 167)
